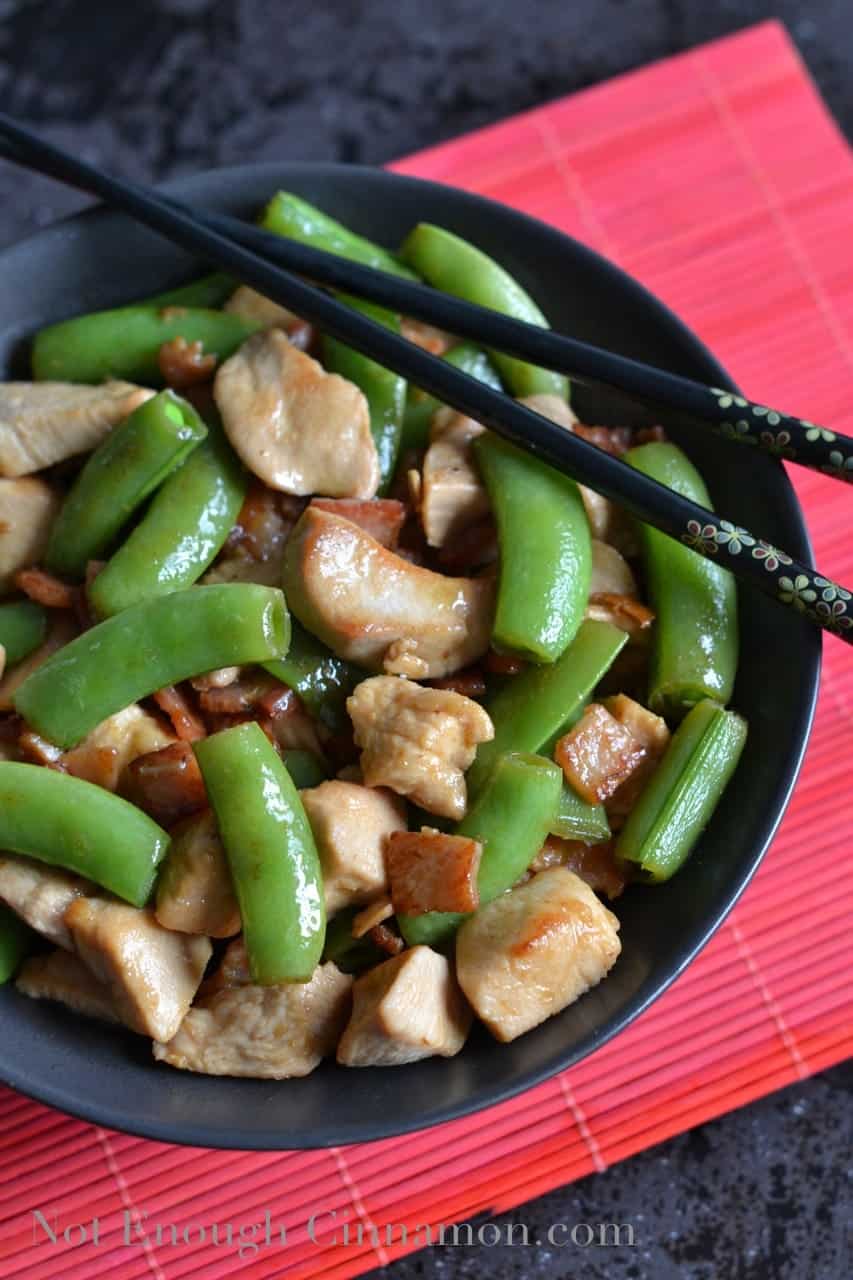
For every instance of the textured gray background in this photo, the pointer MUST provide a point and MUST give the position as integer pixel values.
(153, 88)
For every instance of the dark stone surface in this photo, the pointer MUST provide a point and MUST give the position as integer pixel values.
(153, 88)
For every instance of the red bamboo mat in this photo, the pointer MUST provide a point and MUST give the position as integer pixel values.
(718, 179)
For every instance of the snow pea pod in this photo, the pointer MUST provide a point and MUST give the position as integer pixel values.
(290, 215)
(451, 264)
(148, 646)
(545, 551)
(511, 818)
(126, 342)
(323, 681)
(271, 852)
(675, 806)
(23, 626)
(185, 526)
(348, 953)
(125, 468)
(305, 768)
(70, 823)
(695, 639)
(532, 710)
(385, 391)
(577, 819)
(420, 406)
(208, 291)
(17, 940)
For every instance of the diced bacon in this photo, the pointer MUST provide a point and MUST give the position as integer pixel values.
(622, 611)
(264, 522)
(430, 871)
(382, 518)
(386, 939)
(594, 863)
(425, 336)
(184, 364)
(167, 784)
(37, 750)
(503, 664)
(45, 588)
(174, 703)
(469, 683)
(474, 547)
(598, 754)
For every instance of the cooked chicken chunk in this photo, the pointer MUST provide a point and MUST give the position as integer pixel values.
(611, 573)
(532, 951)
(350, 825)
(375, 913)
(63, 977)
(552, 407)
(417, 741)
(44, 422)
(407, 1008)
(452, 495)
(253, 306)
(379, 610)
(112, 745)
(242, 568)
(152, 973)
(27, 509)
(300, 429)
(194, 889)
(41, 894)
(267, 1032)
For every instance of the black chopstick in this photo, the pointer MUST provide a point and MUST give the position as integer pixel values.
(777, 574)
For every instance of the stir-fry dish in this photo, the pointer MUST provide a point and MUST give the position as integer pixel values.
(329, 721)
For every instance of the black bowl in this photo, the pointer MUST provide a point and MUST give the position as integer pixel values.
(99, 260)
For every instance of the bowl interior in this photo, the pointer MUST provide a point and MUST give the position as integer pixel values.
(100, 260)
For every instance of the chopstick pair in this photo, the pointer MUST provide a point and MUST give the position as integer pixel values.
(249, 253)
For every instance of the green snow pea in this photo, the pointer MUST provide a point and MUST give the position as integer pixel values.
(306, 769)
(675, 807)
(577, 819)
(545, 551)
(271, 852)
(126, 467)
(70, 823)
(126, 342)
(148, 646)
(207, 292)
(532, 710)
(454, 266)
(695, 639)
(23, 626)
(511, 817)
(17, 940)
(421, 406)
(289, 215)
(385, 391)
(183, 529)
(348, 953)
(322, 680)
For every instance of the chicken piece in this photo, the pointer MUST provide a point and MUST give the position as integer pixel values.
(27, 510)
(255, 307)
(194, 889)
(44, 422)
(625, 612)
(531, 952)
(63, 977)
(552, 407)
(379, 610)
(237, 566)
(426, 336)
(407, 1008)
(115, 743)
(219, 679)
(418, 741)
(371, 916)
(452, 496)
(152, 974)
(62, 630)
(598, 754)
(41, 894)
(269, 1033)
(382, 518)
(611, 573)
(350, 825)
(299, 428)
(430, 871)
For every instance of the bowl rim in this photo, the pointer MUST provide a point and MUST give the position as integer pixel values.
(232, 1136)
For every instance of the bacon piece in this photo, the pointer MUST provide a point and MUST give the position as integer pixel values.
(62, 630)
(431, 871)
(45, 588)
(594, 863)
(622, 611)
(469, 683)
(426, 336)
(386, 939)
(382, 518)
(184, 364)
(615, 440)
(598, 754)
(166, 784)
(474, 547)
(503, 664)
(174, 703)
(37, 750)
(264, 521)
